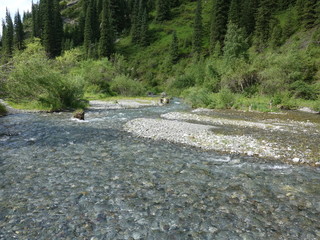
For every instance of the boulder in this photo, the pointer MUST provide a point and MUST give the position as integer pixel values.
(79, 114)
(164, 101)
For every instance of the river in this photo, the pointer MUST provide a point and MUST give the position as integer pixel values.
(66, 179)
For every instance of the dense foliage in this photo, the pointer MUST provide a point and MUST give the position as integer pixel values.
(216, 53)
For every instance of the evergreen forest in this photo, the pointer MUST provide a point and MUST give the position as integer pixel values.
(239, 54)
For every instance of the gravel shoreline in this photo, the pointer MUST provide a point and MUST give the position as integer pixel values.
(204, 132)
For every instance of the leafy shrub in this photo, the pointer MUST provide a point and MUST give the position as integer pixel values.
(34, 79)
(198, 97)
(225, 99)
(303, 90)
(3, 110)
(126, 86)
(97, 75)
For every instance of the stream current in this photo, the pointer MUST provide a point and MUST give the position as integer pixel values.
(66, 179)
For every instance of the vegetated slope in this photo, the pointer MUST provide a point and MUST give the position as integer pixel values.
(220, 54)
(284, 74)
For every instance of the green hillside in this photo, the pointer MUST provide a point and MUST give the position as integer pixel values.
(257, 54)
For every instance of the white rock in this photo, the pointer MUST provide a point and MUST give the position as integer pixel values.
(296, 160)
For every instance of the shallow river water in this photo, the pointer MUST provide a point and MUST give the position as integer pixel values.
(65, 179)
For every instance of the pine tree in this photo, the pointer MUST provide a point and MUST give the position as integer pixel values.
(139, 30)
(106, 43)
(198, 32)
(174, 51)
(8, 36)
(235, 43)
(219, 20)
(163, 10)
(18, 31)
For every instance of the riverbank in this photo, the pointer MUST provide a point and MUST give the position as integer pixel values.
(276, 136)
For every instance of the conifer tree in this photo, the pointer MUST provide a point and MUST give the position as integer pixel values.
(58, 29)
(198, 32)
(35, 20)
(308, 14)
(219, 20)
(106, 43)
(174, 51)
(234, 12)
(88, 40)
(8, 36)
(276, 35)
(144, 28)
(248, 15)
(262, 30)
(18, 31)
(163, 10)
(235, 43)
(135, 27)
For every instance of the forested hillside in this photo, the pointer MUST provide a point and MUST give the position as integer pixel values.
(257, 54)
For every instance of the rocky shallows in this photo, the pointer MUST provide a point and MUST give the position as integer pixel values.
(271, 137)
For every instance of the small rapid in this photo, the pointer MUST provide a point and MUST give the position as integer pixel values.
(67, 179)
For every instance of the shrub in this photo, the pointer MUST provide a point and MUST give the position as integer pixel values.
(198, 97)
(126, 86)
(225, 99)
(3, 110)
(303, 90)
(34, 79)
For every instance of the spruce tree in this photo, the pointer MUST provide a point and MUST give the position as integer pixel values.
(308, 13)
(52, 32)
(262, 31)
(58, 29)
(35, 20)
(198, 32)
(144, 28)
(276, 35)
(235, 43)
(174, 51)
(163, 10)
(18, 31)
(248, 14)
(88, 40)
(234, 12)
(106, 43)
(135, 27)
(219, 20)
(8, 36)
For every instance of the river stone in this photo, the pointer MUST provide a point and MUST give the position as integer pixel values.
(79, 114)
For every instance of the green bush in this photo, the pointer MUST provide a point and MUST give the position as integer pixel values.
(126, 86)
(198, 97)
(303, 90)
(35, 79)
(97, 75)
(225, 99)
(3, 110)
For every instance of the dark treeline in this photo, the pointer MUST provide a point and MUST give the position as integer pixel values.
(98, 23)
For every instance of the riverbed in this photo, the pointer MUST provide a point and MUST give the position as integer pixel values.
(66, 179)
